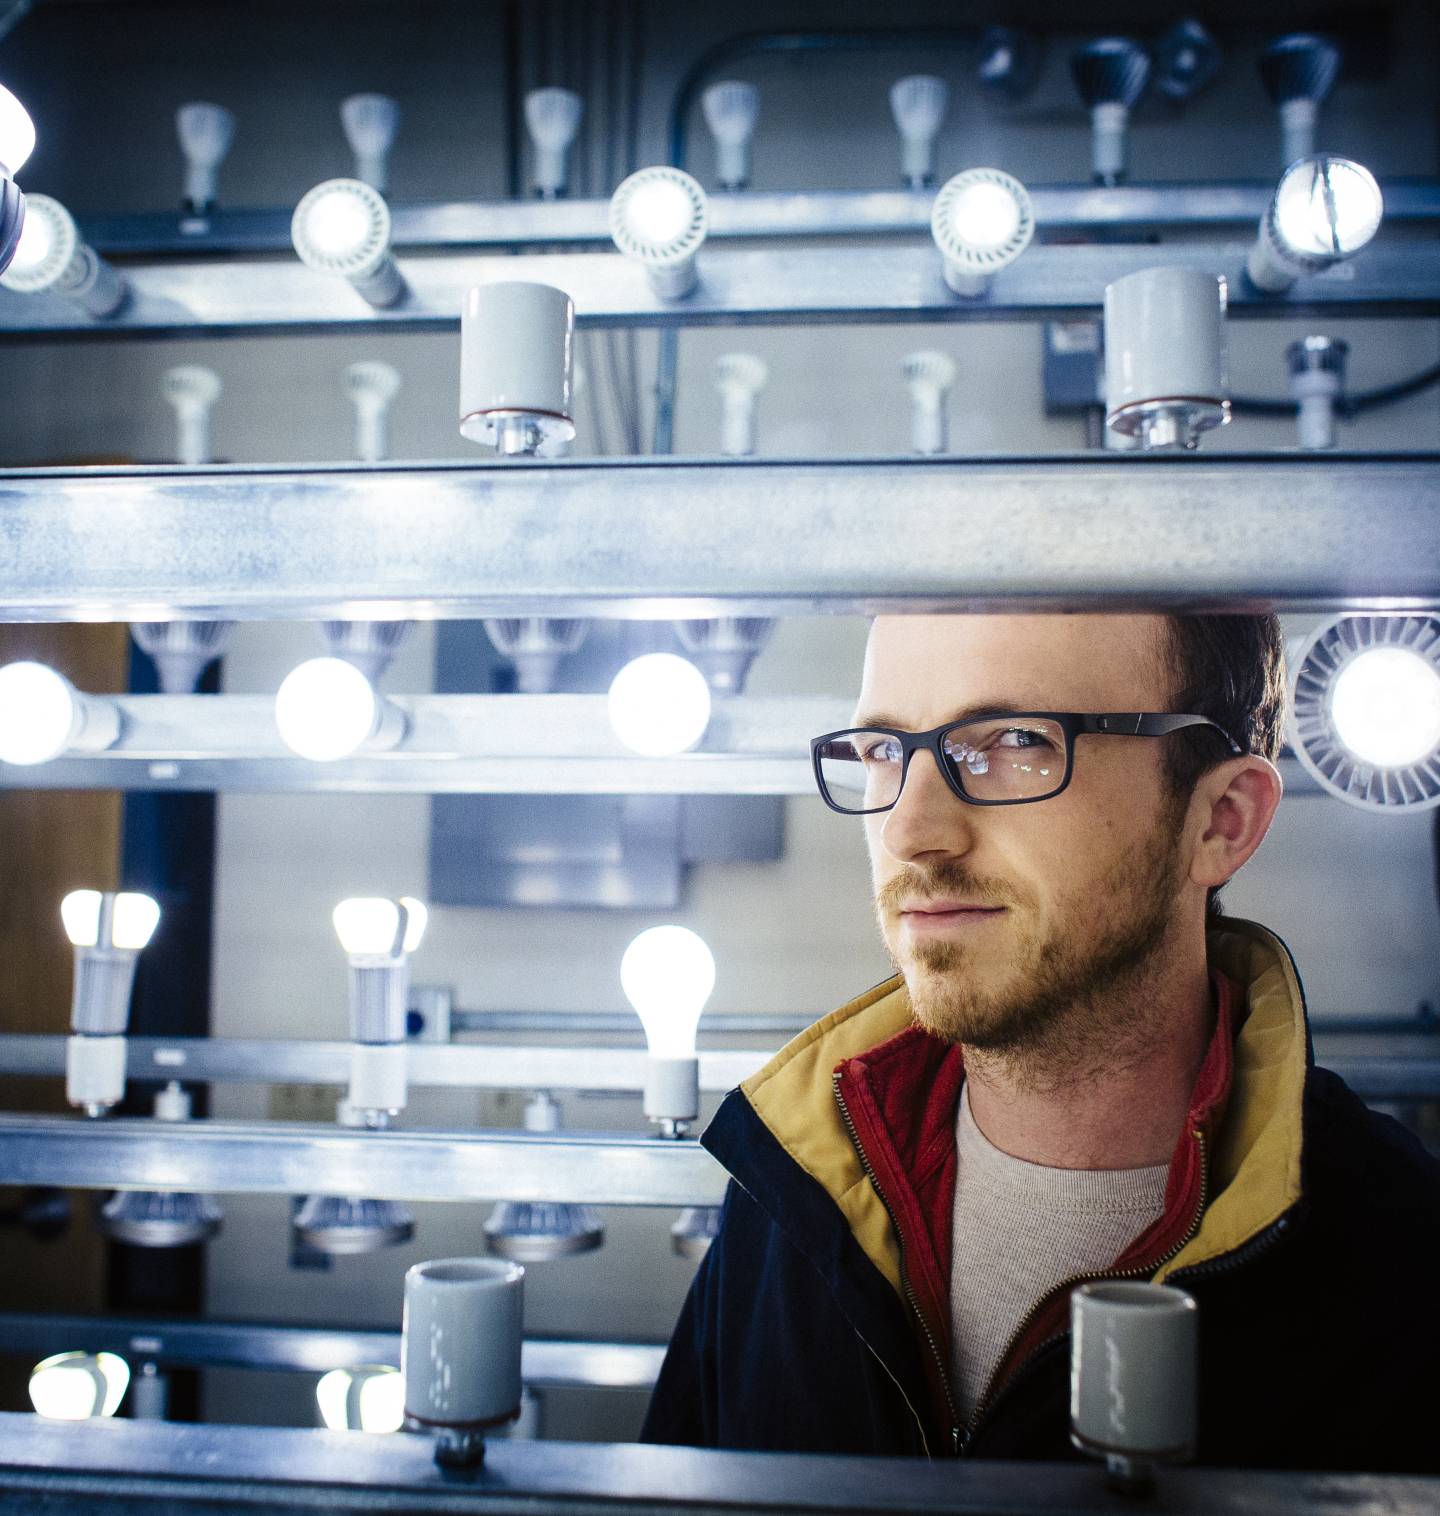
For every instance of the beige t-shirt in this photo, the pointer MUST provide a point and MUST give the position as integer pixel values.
(1018, 1230)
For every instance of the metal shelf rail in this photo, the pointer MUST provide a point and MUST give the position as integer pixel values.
(661, 538)
(813, 285)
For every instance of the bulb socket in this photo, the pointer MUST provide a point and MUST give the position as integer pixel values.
(672, 1089)
(517, 347)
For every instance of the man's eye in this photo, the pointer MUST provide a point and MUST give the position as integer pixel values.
(886, 750)
(1021, 737)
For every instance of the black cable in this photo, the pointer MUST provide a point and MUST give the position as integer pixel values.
(1345, 405)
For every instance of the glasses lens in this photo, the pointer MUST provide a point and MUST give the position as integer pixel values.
(1007, 757)
(860, 771)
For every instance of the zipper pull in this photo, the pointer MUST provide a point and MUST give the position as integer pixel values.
(959, 1440)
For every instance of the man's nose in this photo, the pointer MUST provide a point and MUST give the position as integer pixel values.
(929, 818)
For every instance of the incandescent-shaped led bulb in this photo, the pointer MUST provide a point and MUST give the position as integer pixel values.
(193, 391)
(1386, 707)
(17, 135)
(552, 118)
(374, 927)
(206, 132)
(372, 387)
(128, 928)
(368, 1398)
(327, 709)
(43, 715)
(739, 377)
(667, 974)
(731, 108)
(928, 376)
(370, 123)
(78, 1386)
(378, 936)
(659, 705)
(918, 104)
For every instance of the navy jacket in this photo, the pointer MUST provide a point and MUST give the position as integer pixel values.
(1304, 1224)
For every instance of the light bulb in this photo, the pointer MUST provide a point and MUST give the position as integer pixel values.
(342, 226)
(368, 1398)
(659, 705)
(658, 218)
(372, 387)
(731, 109)
(667, 974)
(42, 715)
(417, 918)
(929, 377)
(1110, 74)
(739, 377)
(131, 924)
(1317, 380)
(370, 123)
(370, 645)
(1298, 72)
(77, 1386)
(918, 105)
(327, 709)
(17, 134)
(182, 650)
(1386, 707)
(372, 927)
(1324, 210)
(193, 391)
(552, 117)
(206, 132)
(50, 259)
(981, 222)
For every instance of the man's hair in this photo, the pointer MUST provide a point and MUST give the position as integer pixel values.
(1231, 669)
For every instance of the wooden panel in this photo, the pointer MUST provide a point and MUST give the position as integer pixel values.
(50, 843)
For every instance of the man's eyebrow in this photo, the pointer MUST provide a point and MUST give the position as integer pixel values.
(965, 713)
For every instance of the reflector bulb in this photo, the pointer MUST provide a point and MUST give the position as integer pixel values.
(1386, 707)
(659, 212)
(985, 216)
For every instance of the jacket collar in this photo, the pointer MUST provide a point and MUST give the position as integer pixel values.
(1253, 1151)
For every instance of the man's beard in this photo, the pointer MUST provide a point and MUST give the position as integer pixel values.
(1053, 1008)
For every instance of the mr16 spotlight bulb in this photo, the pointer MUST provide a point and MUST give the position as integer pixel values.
(658, 218)
(982, 221)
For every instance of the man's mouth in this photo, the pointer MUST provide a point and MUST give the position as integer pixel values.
(937, 915)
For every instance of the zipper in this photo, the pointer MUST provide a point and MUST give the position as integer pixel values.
(909, 1293)
(967, 1437)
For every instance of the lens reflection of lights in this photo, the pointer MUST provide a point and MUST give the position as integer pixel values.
(77, 1386)
(368, 1398)
(1324, 210)
(1365, 710)
(327, 709)
(659, 705)
(981, 222)
(1386, 706)
(659, 217)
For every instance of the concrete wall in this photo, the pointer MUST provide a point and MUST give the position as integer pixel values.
(1350, 891)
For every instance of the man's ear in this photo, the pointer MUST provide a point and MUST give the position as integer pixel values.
(1231, 809)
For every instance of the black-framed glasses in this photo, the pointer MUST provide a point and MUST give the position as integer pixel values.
(992, 758)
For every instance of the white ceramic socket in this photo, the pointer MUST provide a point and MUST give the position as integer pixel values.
(672, 1089)
(94, 1071)
(460, 1344)
(517, 343)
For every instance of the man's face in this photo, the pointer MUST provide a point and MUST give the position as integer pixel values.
(1003, 919)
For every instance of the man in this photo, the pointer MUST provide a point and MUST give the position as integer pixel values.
(1082, 1070)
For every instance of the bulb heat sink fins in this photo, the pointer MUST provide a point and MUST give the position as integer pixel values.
(1299, 67)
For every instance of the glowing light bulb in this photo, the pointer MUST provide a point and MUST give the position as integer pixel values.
(372, 926)
(17, 134)
(327, 709)
(552, 117)
(1386, 707)
(370, 123)
(981, 222)
(1324, 210)
(658, 218)
(77, 1386)
(52, 260)
(132, 922)
(368, 1398)
(731, 108)
(343, 227)
(206, 132)
(667, 974)
(918, 105)
(37, 241)
(659, 705)
(42, 715)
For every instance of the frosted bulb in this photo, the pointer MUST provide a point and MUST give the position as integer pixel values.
(1386, 707)
(667, 974)
(1327, 207)
(17, 134)
(133, 919)
(369, 927)
(370, 123)
(77, 1386)
(206, 132)
(136, 917)
(659, 705)
(39, 713)
(368, 1398)
(326, 709)
(80, 913)
(417, 917)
